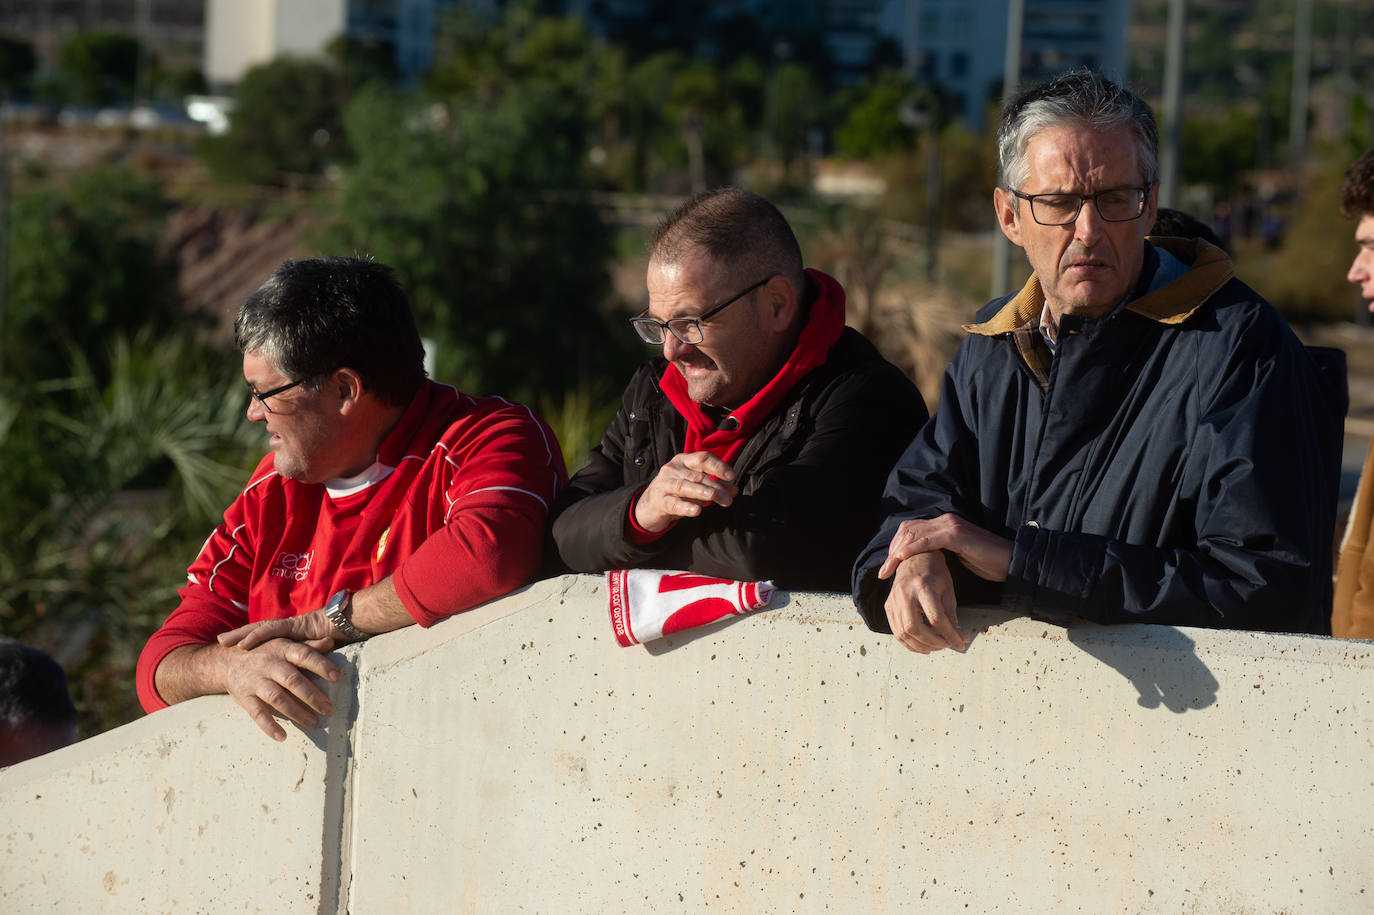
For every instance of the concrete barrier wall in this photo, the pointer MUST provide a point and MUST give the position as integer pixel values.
(186, 811)
(515, 758)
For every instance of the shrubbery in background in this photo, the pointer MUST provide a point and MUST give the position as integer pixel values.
(285, 124)
(84, 264)
(122, 435)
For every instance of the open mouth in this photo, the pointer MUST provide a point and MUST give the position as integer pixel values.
(694, 368)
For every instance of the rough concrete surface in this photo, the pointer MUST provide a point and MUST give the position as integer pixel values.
(190, 810)
(515, 759)
(793, 761)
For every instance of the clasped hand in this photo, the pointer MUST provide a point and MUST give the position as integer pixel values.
(266, 665)
(921, 608)
(682, 488)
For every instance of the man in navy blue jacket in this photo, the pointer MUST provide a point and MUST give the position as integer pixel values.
(1134, 436)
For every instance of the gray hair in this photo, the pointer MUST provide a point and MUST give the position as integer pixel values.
(314, 316)
(1082, 98)
(737, 230)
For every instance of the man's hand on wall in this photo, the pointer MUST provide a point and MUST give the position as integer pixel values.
(272, 677)
(921, 606)
(314, 629)
(983, 553)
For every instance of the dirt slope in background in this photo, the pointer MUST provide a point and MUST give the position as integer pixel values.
(224, 254)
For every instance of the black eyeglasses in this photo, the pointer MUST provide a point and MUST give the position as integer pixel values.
(1119, 204)
(688, 330)
(262, 397)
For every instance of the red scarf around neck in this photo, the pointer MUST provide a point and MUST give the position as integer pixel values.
(813, 346)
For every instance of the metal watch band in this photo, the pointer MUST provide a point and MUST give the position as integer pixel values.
(336, 611)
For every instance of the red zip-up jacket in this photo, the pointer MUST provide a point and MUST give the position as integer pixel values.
(454, 508)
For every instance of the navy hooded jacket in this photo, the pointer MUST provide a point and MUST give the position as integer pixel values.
(1172, 463)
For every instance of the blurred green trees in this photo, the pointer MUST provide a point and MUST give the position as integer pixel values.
(285, 124)
(111, 480)
(84, 264)
(122, 436)
(477, 57)
(872, 126)
(482, 209)
(98, 68)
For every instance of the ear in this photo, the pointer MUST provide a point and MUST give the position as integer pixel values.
(347, 385)
(781, 301)
(1004, 204)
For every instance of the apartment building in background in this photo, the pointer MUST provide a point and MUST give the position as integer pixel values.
(960, 45)
(241, 34)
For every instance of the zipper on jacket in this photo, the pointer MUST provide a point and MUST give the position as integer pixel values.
(1046, 401)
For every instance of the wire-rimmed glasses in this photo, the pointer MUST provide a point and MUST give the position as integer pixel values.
(688, 330)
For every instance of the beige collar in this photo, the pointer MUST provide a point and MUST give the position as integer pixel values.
(1172, 304)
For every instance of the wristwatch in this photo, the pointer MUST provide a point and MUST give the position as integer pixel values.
(337, 611)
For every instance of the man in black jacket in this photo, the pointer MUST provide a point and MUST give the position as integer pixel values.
(756, 447)
(1135, 436)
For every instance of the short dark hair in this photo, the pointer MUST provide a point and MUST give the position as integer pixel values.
(1081, 97)
(1357, 190)
(318, 315)
(33, 688)
(736, 229)
(1173, 223)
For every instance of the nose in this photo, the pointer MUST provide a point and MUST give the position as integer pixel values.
(1359, 268)
(256, 412)
(673, 348)
(1088, 225)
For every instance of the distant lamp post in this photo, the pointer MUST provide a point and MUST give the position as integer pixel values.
(1011, 78)
(1302, 78)
(1174, 58)
(921, 113)
(782, 52)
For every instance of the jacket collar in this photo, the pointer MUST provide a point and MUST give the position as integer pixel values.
(1173, 303)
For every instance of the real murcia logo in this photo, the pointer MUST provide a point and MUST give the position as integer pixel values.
(381, 545)
(293, 566)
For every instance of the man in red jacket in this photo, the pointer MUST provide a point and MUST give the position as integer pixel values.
(386, 500)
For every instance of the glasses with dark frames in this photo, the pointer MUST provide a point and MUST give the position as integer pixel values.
(688, 330)
(261, 397)
(1118, 204)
